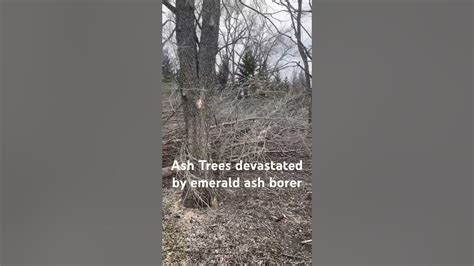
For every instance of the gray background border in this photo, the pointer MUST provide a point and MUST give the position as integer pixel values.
(81, 132)
(392, 132)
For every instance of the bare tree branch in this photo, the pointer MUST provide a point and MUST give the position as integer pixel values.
(269, 20)
(169, 6)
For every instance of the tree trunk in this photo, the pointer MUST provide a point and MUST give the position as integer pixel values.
(303, 55)
(196, 81)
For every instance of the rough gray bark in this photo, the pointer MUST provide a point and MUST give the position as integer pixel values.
(209, 42)
(196, 81)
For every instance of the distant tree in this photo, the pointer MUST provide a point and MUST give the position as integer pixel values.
(276, 77)
(223, 73)
(167, 70)
(286, 84)
(298, 80)
(302, 79)
(295, 11)
(277, 82)
(247, 67)
(294, 79)
(263, 72)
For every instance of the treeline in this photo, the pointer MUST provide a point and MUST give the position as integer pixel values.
(250, 73)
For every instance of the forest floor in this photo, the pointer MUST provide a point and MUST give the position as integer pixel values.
(249, 225)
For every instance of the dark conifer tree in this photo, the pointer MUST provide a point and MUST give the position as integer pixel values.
(247, 67)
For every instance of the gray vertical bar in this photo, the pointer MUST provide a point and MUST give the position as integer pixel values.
(393, 133)
(81, 132)
(2, 176)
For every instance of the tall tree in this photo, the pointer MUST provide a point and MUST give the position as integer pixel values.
(297, 25)
(296, 14)
(197, 78)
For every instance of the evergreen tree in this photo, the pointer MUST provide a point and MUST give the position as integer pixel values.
(277, 78)
(247, 67)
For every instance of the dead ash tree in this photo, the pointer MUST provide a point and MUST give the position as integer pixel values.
(196, 81)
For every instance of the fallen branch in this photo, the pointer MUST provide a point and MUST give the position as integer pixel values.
(245, 120)
(294, 256)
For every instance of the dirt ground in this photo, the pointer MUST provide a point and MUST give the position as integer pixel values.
(249, 225)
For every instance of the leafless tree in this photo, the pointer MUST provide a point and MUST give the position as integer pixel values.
(237, 28)
(295, 11)
(196, 80)
(305, 54)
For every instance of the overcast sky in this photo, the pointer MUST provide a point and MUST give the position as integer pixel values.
(281, 19)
